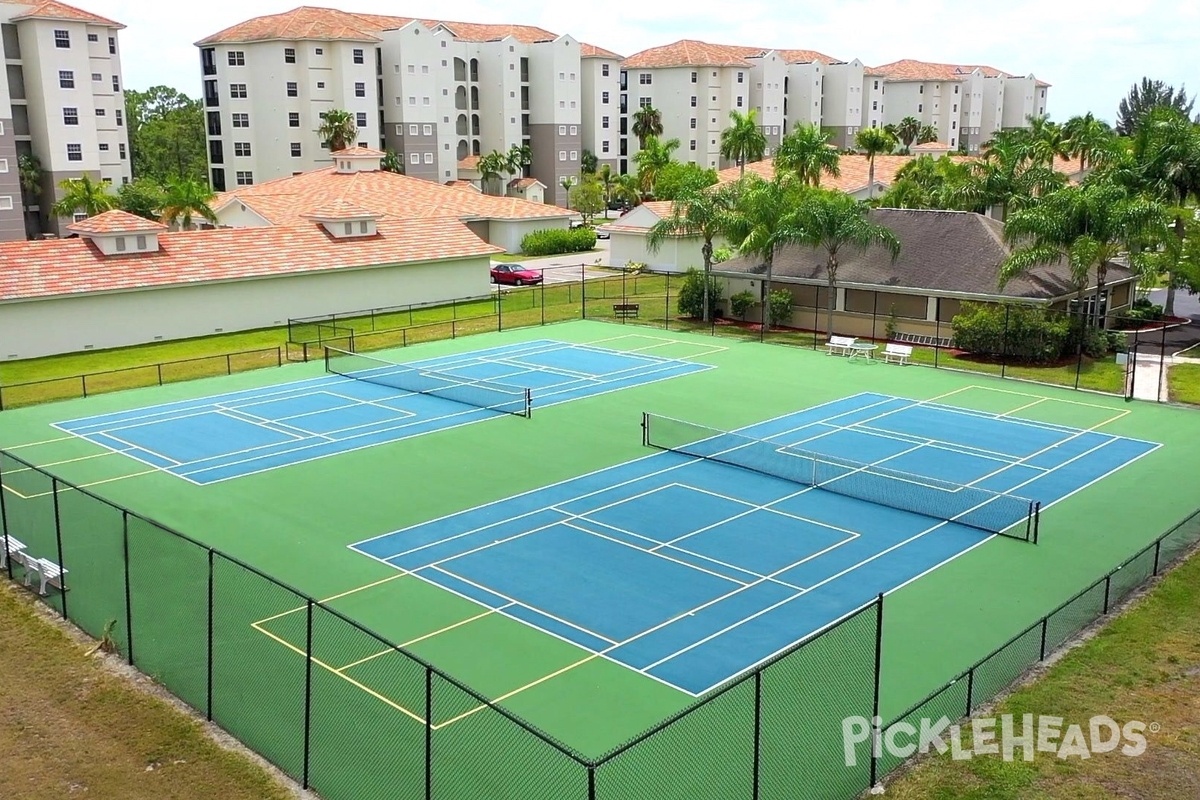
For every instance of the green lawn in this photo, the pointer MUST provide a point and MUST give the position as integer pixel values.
(1141, 666)
(1184, 383)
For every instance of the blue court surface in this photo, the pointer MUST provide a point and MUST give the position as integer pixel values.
(226, 436)
(692, 571)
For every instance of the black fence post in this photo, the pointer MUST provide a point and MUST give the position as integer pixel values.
(58, 541)
(279, 356)
(542, 289)
(1004, 342)
(875, 721)
(1084, 324)
(757, 733)
(667, 311)
(428, 733)
(1045, 626)
(128, 592)
(308, 648)
(159, 367)
(1037, 521)
(1162, 365)
(970, 689)
(1107, 590)
(591, 782)
(4, 522)
(1157, 554)
(624, 291)
(582, 292)
(209, 699)
(500, 306)
(228, 364)
(83, 385)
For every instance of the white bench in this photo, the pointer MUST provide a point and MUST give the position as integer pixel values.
(839, 346)
(897, 353)
(49, 573)
(15, 548)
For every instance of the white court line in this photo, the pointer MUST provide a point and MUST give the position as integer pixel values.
(84, 485)
(631, 546)
(1039, 401)
(420, 639)
(1122, 412)
(262, 422)
(933, 444)
(132, 446)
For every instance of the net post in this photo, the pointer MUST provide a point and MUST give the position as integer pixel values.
(876, 725)
(58, 542)
(128, 593)
(757, 734)
(209, 680)
(645, 429)
(528, 403)
(428, 733)
(1045, 625)
(308, 647)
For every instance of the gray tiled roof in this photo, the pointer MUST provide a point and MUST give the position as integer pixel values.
(940, 251)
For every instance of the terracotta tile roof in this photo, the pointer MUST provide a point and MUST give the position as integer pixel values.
(592, 51)
(524, 183)
(308, 22)
(691, 53)
(470, 162)
(286, 201)
(339, 209)
(462, 185)
(660, 208)
(930, 146)
(360, 152)
(854, 168)
(52, 9)
(912, 70)
(74, 266)
(806, 57)
(116, 221)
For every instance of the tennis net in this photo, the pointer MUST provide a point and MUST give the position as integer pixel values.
(481, 394)
(994, 512)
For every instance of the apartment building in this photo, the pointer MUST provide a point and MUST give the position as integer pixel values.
(602, 123)
(435, 92)
(60, 100)
(695, 85)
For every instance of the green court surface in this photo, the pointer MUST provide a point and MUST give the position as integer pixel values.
(368, 735)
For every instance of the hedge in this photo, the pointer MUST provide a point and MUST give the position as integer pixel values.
(554, 241)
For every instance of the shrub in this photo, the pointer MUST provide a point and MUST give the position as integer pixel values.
(722, 254)
(741, 303)
(779, 304)
(1017, 333)
(691, 293)
(556, 240)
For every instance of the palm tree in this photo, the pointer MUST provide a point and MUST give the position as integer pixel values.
(807, 154)
(926, 182)
(83, 195)
(627, 189)
(1087, 226)
(873, 141)
(1144, 98)
(1087, 139)
(764, 221)
(337, 129)
(651, 159)
(566, 183)
(907, 132)
(1007, 176)
(392, 162)
(1046, 140)
(30, 168)
(491, 168)
(519, 157)
(927, 134)
(647, 122)
(832, 221)
(743, 140)
(187, 198)
(607, 179)
(702, 213)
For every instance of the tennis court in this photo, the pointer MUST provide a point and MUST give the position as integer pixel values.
(694, 565)
(368, 402)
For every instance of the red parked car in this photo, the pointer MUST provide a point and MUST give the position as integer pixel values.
(515, 275)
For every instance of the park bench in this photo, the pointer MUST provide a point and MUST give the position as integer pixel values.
(625, 310)
(839, 346)
(15, 548)
(49, 573)
(897, 353)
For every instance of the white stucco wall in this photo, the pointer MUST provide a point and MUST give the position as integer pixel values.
(675, 255)
(68, 324)
(509, 233)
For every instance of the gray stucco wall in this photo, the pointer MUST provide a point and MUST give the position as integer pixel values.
(12, 221)
(546, 144)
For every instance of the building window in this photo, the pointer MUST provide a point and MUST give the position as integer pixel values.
(412, 130)
(562, 130)
(412, 100)
(604, 97)
(874, 105)
(141, 242)
(645, 78)
(293, 89)
(428, 158)
(320, 84)
(693, 101)
(70, 116)
(237, 58)
(103, 147)
(645, 102)
(574, 130)
(741, 77)
(241, 120)
(78, 216)
(953, 125)
(100, 112)
(360, 119)
(296, 150)
(62, 39)
(289, 55)
(604, 122)
(920, 107)
(693, 125)
(574, 155)
(427, 130)
(415, 158)
(120, 116)
(693, 144)
(74, 152)
(693, 77)
(956, 108)
(120, 244)
(66, 79)
(237, 91)
(93, 37)
(562, 155)
(245, 178)
(320, 51)
(604, 146)
(241, 149)
(360, 89)
(424, 101)
(97, 77)
(921, 89)
(739, 101)
(121, 149)
(956, 91)
(358, 55)
(112, 45)
(604, 70)
(116, 84)
(293, 119)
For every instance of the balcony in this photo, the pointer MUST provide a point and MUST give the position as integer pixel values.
(208, 61)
